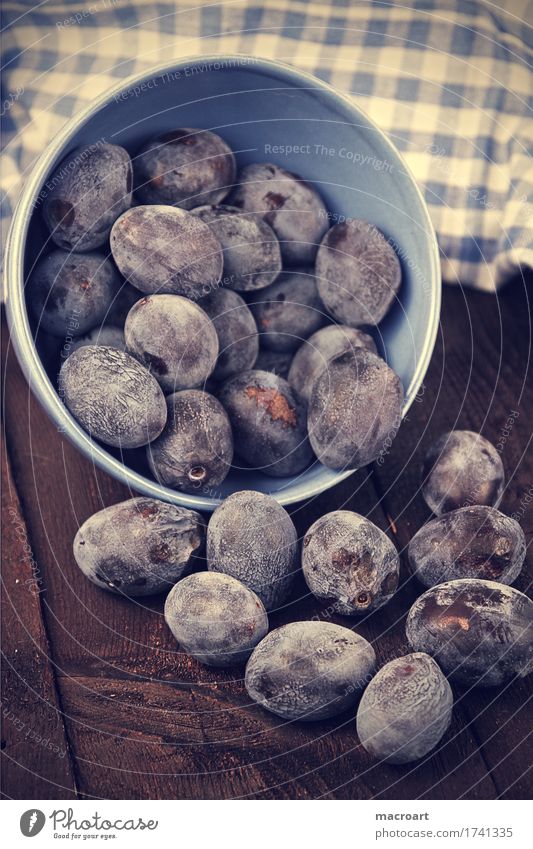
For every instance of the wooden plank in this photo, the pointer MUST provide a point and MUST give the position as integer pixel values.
(478, 380)
(36, 758)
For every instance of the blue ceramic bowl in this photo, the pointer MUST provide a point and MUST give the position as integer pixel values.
(266, 111)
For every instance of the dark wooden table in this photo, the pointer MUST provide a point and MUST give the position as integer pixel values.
(98, 701)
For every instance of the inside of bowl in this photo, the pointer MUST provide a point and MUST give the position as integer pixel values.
(269, 114)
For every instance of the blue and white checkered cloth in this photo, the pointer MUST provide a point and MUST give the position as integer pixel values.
(450, 81)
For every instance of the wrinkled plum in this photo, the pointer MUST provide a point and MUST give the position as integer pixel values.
(350, 561)
(215, 618)
(471, 542)
(309, 670)
(195, 450)
(268, 422)
(112, 337)
(358, 273)
(174, 338)
(89, 190)
(278, 362)
(185, 167)
(238, 340)
(355, 410)
(405, 710)
(139, 547)
(480, 632)
(312, 358)
(112, 396)
(252, 538)
(288, 311)
(161, 249)
(252, 257)
(292, 207)
(67, 290)
(462, 468)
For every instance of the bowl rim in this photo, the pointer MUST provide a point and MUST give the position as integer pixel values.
(17, 317)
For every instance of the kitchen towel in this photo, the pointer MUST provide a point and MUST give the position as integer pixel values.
(450, 81)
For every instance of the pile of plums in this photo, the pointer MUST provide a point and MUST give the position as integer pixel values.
(223, 580)
(219, 313)
(215, 312)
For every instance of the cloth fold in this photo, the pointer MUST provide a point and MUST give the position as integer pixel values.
(450, 81)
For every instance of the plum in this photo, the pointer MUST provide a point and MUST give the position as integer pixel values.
(238, 340)
(460, 469)
(215, 618)
(68, 290)
(471, 542)
(350, 561)
(252, 257)
(355, 410)
(195, 450)
(165, 250)
(480, 632)
(309, 670)
(268, 422)
(289, 204)
(112, 396)
(405, 710)
(139, 547)
(86, 194)
(252, 538)
(108, 335)
(184, 167)
(312, 358)
(174, 338)
(288, 311)
(358, 273)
